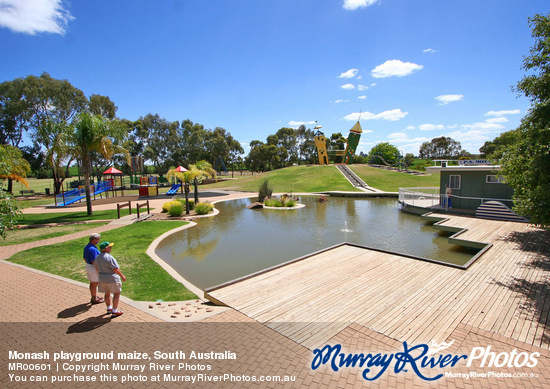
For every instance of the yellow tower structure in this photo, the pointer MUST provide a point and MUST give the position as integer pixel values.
(321, 144)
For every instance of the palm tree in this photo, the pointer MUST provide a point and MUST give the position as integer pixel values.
(202, 170)
(95, 133)
(54, 136)
(186, 178)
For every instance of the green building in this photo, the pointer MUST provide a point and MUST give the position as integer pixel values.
(472, 183)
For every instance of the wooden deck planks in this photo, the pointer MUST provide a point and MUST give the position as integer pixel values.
(409, 300)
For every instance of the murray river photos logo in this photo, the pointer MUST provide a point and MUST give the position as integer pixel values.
(415, 358)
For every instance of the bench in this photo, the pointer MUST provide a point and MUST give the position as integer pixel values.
(29, 192)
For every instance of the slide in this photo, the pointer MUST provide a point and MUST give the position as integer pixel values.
(101, 186)
(173, 190)
(70, 197)
(78, 194)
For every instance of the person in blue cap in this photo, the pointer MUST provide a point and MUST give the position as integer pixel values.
(110, 278)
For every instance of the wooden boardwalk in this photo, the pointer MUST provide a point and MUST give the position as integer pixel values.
(504, 292)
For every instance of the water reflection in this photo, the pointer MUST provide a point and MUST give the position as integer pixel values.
(241, 241)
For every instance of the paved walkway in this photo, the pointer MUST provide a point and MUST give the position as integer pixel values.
(40, 312)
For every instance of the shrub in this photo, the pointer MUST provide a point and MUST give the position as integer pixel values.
(265, 190)
(203, 208)
(166, 206)
(182, 201)
(280, 202)
(176, 209)
(290, 203)
(273, 203)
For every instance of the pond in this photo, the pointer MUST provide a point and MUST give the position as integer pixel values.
(241, 241)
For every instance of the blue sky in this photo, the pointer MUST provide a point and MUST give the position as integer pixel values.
(416, 69)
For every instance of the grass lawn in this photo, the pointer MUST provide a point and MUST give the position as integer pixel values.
(60, 217)
(325, 178)
(391, 181)
(32, 234)
(35, 202)
(146, 280)
(39, 185)
(292, 179)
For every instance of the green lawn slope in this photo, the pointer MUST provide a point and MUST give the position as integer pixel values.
(298, 179)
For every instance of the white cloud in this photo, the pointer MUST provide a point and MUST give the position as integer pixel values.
(502, 113)
(349, 74)
(391, 115)
(34, 16)
(483, 126)
(362, 87)
(397, 135)
(431, 127)
(294, 123)
(395, 67)
(497, 120)
(410, 128)
(341, 101)
(446, 99)
(352, 5)
(363, 97)
(348, 86)
(428, 51)
(406, 144)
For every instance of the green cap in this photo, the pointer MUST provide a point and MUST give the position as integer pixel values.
(104, 245)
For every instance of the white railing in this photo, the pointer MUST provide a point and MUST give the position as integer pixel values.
(420, 197)
(430, 197)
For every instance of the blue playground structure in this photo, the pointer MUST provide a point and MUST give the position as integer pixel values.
(174, 189)
(74, 195)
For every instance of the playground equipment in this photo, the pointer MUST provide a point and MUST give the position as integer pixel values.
(173, 190)
(348, 154)
(116, 180)
(321, 144)
(353, 142)
(148, 186)
(72, 196)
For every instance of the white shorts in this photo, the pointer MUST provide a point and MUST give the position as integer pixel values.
(115, 287)
(93, 275)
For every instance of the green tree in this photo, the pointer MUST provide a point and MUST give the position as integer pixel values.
(497, 147)
(526, 162)
(442, 147)
(102, 106)
(15, 111)
(34, 156)
(51, 99)
(54, 136)
(94, 133)
(162, 139)
(306, 144)
(409, 159)
(384, 153)
(11, 165)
